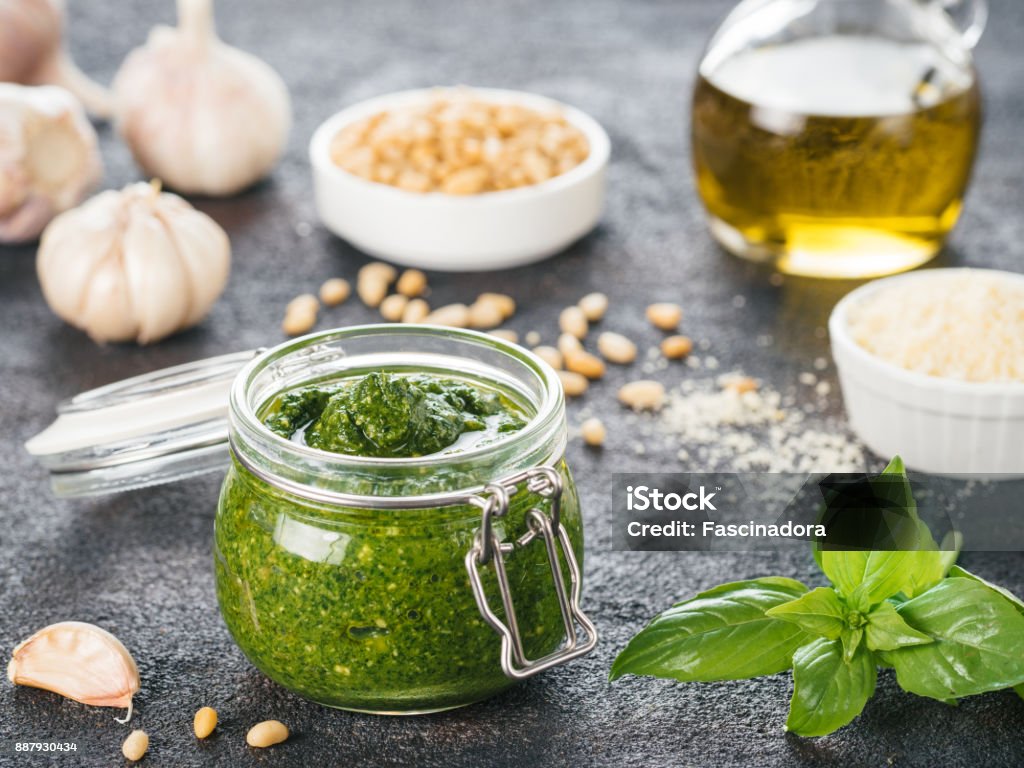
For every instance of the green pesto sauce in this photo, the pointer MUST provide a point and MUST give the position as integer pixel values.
(386, 415)
(372, 609)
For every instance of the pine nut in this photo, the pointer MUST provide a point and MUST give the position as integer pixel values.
(453, 315)
(266, 734)
(415, 311)
(393, 307)
(593, 432)
(412, 283)
(334, 291)
(549, 355)
(373, 281)
(505, 303)
(507, 334)
(304, 302)
(485, 314)
(532, 338)
(204, 722)
(594, 305)
(676, 347)
(740, 384)
(298, 321)
(616, 348)
(573, 321)
(665, 315)
(568, 343)
(135, 745)
(573, 384)
(582, 362)
(643, 395)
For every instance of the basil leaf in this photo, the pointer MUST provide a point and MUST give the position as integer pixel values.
(867, 577)
(1017, 603)
(851, 637)
(886, 630)
(1019, 689)
(828, 691)
(721, 634)
(819, 612)
(978, 638)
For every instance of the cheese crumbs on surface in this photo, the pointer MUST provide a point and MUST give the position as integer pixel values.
(967, 326)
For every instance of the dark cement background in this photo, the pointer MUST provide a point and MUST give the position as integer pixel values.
(139, 563)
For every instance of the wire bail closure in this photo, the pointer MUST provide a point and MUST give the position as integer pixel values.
(580, 632)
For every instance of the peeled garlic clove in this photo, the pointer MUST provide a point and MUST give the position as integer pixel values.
(202, 116)
(31, 52)
(79, 661)
(49, 158)
(135, 264)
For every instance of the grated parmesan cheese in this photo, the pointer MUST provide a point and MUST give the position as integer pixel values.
(966, 325)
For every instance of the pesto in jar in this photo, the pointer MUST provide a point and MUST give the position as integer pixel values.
(372, 609)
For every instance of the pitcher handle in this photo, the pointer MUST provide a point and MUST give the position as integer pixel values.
(968, 16)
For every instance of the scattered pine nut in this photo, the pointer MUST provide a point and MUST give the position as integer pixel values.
(594, 305)
(593, 432)
(135, 745)
(393, 307)
(415, 311)
(574, 322)
(334, 291)
(373, 281)
(616, 348)
(740, 384)
(412, 283)
(507, 334)
(266, 734)
(505, 303)
(300, 315)
(643, 395)
(573, 384)
(532, 338)
(453, 315)
(549, 355)
(568, 343)
(485, 314)
(676, 347)
(304, 302)
(204, 722)
(665, 315)
(582, 362)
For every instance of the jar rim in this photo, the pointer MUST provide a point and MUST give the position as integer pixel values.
(548, 417)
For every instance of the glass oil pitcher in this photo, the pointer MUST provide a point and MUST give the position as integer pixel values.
(835, 138)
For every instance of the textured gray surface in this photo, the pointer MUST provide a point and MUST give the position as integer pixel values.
(139, 563)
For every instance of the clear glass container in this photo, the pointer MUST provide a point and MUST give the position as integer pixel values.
(835, 138)
(401, 585)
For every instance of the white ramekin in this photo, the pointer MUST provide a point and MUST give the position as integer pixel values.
(941, 426)
(493, 230)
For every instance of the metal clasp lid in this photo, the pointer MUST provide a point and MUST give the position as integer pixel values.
(580, 633)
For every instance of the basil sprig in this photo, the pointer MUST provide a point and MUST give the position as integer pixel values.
(946, 632)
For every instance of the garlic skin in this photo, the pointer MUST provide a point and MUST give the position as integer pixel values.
(200, 115)
(49, 159)
(31, 52)
(135, 264)
(79, 661)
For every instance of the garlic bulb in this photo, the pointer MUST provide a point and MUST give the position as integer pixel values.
(31, 52)
(135, 264)
(202, 116)
(49, 159)
(79, 661)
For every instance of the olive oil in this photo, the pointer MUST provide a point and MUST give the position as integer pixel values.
(835, 156)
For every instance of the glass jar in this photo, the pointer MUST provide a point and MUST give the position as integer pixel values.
(835, 138)
(400, 585)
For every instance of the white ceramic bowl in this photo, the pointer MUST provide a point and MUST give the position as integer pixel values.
(492, 230)
(941, 426)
